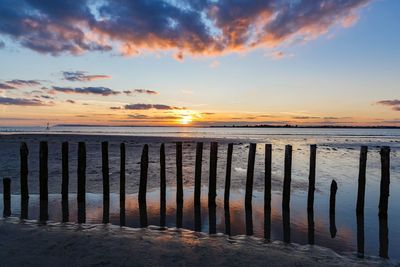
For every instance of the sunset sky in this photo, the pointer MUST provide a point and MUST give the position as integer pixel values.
(200, 62)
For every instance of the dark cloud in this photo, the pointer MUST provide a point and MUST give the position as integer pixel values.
(104, 91)
(82, 76)
(18, 83)
(21, 102)
(115, 108)
(6, 86)
(147, 117)
(150, 106)
(70, 101)
(393, 104)
(206, 27)
(140, 91)
(2, 44)
(304, 117)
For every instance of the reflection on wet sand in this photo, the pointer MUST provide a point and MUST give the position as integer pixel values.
(230, 221)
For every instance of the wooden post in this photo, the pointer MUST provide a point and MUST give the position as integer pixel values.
(24, 171)
(106, 182)
(286, 194)
(43, 180)
(310, 197)
(361, 201)
(65, 182)
(383, 202)
(249, 188)
(212, 187)
(267, 191)
(179, 185)
(250, 175)
(228, 175)
(24, 180)
(163, 187)
(144, 165)
(197, 174)
(332, 207)
(6, 197)
(197, 186)
(81, 194)
(122, 186)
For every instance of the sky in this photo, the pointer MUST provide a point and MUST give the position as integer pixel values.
(200, 62)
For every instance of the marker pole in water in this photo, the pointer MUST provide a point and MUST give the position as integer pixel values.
(212, 187)
(6, 197)
(163, 187)
(249, 188)
(332, 207)
(197, 186)
(179, 185)
(267, 191)
(106, 182)
(310, 197)
(383, 202)
(122, 185)
(43, 181)
(144, 165)
(64, 182)
(24, 180)
(286, 194)
(361, 201)
(81, 194)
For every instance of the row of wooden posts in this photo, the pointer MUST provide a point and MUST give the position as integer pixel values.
(212, 187)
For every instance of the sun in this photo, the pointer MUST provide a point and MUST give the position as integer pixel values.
(186, 119)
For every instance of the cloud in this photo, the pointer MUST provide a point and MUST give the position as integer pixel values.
(200, 27)
(140, 91)
(214, 64)
(393, 104)
(21, 102)
(304, 117)
(18, 83)
(6, 86)
(147, 117)
(104, 91)
(2, 44)
(81, 76)
(115, 108)
(150, 106)
(70, 101)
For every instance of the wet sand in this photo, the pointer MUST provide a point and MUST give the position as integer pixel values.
(30, 244)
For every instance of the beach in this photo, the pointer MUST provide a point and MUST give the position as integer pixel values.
(337, 158)
(30, 244)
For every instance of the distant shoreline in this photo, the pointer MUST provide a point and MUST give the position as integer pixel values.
(243, 126)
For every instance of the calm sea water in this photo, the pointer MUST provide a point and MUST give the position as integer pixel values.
(337, 158)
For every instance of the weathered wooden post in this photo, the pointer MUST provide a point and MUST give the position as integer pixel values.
(122, 185)
(197, 186)
(249, 188)
(24, 170)
(228, 175)
(43, 181)
(81, 194)
(212, 187)
(65, 182)
(286, 193)
(163, 187)
(144, 165)
(24, 180)
(383, 202)
(6, 197)
(179, 185)
(106, 182)
(332, 209)
(267, 191)
(361, 201)
(310, 197)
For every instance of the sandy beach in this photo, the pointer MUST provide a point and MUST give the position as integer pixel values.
(29, 244)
